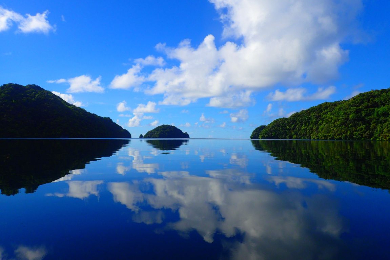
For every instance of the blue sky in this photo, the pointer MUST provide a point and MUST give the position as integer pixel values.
(213, 68)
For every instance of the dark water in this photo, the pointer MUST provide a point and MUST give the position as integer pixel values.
(195, 199)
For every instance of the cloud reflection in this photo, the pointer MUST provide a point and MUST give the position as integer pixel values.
(25, 253)
(80, 189)
(273, 225)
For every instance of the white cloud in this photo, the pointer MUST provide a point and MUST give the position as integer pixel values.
(134, 121)
(121, 107)
(130, 79)
(7, 17)
(186, 125)
(139, 111)
(68, 98)
(150, 107)
(37, 23)
(240, 116)
(272, 42)
(269, 108)
(150, 61)
(83, 83)
(298, 94)
(223, 125)
(206, 120)
(234, 100)
(31, 23)
(184, 111)
(154, 123)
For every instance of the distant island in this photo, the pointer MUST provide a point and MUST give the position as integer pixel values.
(32, 112)
(166, 131)
(363, 117)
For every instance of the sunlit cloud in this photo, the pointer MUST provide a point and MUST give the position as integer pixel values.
(121, 107)
(299, 94)
(29, 24)
(270, 42)
(68, 98)
(83, 83)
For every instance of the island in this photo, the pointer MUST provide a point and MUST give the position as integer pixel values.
(33, 112)
(363, 117)
(166, 131)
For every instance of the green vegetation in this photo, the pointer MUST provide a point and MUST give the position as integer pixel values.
(166, 131)
(363, 117)
(361, 162)
(32, 112)
(255, 134)
(30, 163)
(166, 145)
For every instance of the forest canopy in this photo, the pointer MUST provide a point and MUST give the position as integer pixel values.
(32, 112)
(166, 131)
(363, 117)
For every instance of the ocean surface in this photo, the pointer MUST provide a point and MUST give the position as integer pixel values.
(194, 199)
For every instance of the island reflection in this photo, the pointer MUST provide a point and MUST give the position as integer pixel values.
(166, 145)
(361, 162)
(31, 163)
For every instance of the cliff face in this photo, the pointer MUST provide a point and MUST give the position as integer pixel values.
(32, 112)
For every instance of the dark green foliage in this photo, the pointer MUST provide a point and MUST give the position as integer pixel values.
(166, 131)
(363, 117)
(30, 163)
(361, 162)
(32, 112)
(167, 145)
(141, 136)
(255, 134)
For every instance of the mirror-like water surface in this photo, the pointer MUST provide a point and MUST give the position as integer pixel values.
(194, 199)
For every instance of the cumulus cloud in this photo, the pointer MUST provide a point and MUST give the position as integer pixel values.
(150, 61)
(286, 42)
(240, 116)
(134, 121)
(68, 98)
(37, 23)
(150, 107)
(131, 78)
(223, 125)
(121, 107)
(298, 94)
(83, 83)
(30, 24)
(139, 112)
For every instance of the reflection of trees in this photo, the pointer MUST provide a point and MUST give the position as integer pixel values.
(30, 163)
(167, 144)
(360, 162)
(269, 225)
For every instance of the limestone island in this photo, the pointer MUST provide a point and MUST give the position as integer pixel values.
(32, 112)
(166, 131)
(363, 117)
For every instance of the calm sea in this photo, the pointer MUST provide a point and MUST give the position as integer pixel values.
(194, 199)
